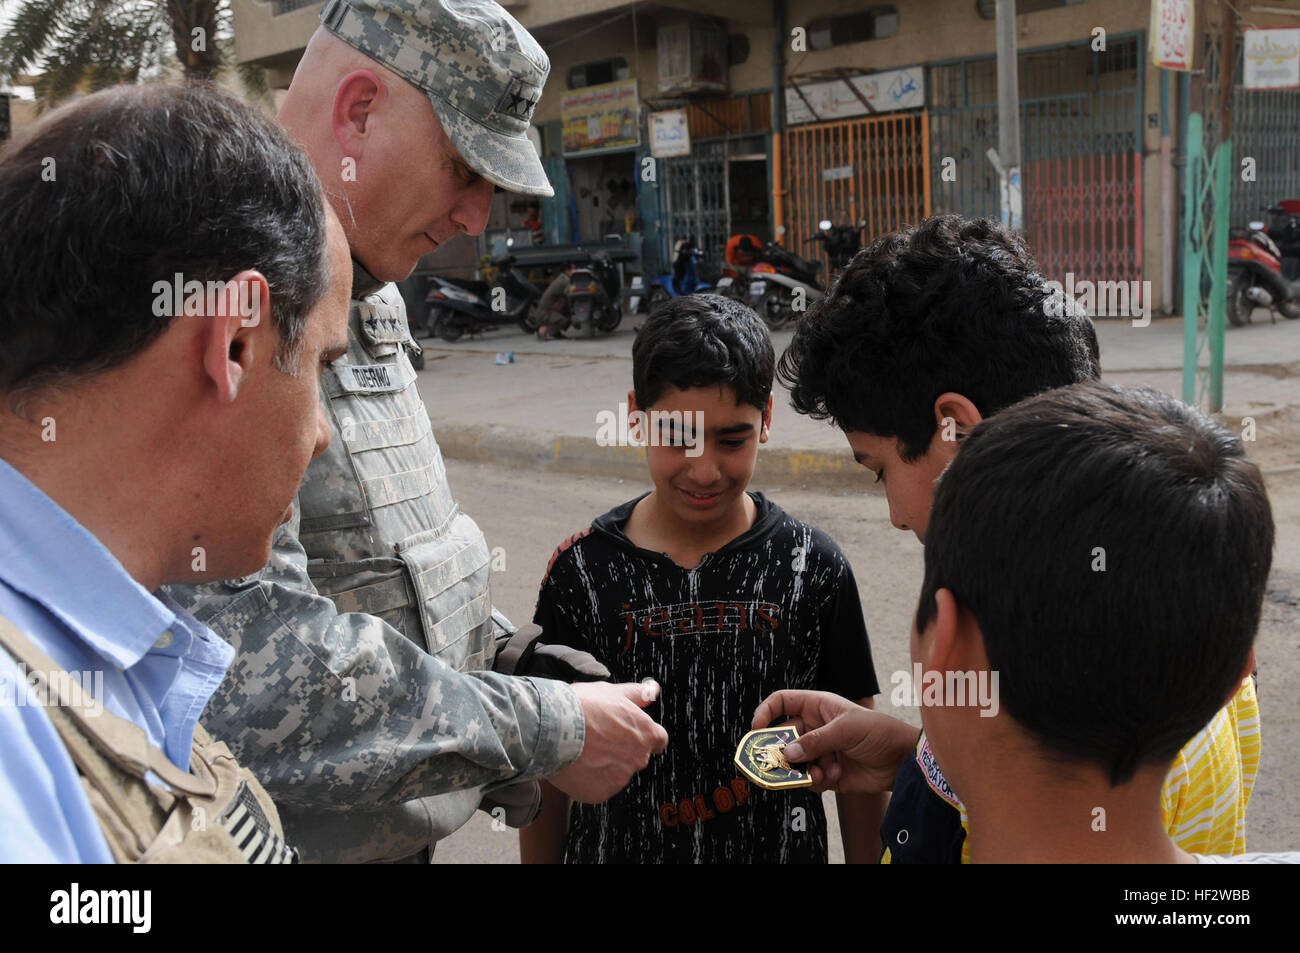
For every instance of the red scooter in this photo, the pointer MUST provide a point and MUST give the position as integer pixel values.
(1255, 267)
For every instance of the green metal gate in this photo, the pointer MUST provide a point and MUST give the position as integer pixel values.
(695, 199)
(1081, 134)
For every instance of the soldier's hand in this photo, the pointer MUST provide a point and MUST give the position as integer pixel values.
(619, 740)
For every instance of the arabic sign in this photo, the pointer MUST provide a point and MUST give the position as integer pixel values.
(669, 134)
(1271, 58)
(833, 99)
(601, 118)
(1173, 32)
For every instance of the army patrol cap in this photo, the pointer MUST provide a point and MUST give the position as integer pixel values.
(481, 69)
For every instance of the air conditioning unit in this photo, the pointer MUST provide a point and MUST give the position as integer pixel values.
(692, 57)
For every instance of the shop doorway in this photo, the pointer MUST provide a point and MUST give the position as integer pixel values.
(748, 196)
(602, 195)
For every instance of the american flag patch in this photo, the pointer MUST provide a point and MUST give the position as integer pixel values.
(246, 823)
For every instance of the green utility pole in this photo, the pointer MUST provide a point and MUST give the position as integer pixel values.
(1207, 207)
(1205, 267)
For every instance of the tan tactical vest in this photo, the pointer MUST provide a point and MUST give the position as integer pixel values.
(382, 533)
(217, 813)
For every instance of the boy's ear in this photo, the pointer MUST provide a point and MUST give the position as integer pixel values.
(634, 418)
(767, 420)
(956, 643)
(956, 407)
(1246, 672)
(941, 634)
(232, 332)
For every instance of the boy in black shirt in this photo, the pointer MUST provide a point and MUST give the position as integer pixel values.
(718, 595)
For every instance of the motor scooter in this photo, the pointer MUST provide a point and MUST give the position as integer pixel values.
(686, 277)
(742, 254)
(593, 297)
(1255, 270)
(781, 283)
(1285, 232)
(457, 306)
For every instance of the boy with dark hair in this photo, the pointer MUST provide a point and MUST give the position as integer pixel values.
(1071, 768)
(929, 331)
(717, 594)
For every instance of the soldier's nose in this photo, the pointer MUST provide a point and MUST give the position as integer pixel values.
(322, 432)
(475, 204)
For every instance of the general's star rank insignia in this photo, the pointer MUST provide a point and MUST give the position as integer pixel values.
(761, 758)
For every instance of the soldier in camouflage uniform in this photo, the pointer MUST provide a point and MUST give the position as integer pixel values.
(361, 693)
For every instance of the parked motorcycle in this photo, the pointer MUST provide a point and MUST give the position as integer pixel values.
(743, 252)
(1285, 232)
(842, 242)
(780, 281)
(593, 296)
(457, 306)
(1255, 267)
(686, 277)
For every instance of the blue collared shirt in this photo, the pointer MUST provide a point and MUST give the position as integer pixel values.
(76, 602)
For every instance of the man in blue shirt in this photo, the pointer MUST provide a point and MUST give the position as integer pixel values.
(174, 281)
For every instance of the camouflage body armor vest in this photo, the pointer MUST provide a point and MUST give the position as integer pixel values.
(216, 813)
(382, 533)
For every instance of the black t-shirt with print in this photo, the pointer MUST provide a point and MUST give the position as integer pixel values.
(775, 608)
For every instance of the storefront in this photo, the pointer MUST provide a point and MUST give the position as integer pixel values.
(856, 152)
(601, 132)
(1081, 113)
(723, 187)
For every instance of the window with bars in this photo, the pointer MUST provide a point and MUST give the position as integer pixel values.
(875, 23)
(987, 9)
(597, 72)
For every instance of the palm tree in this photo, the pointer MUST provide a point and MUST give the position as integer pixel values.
(76, 44)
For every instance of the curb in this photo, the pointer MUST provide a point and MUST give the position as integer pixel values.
(777, 467)
(513, 446)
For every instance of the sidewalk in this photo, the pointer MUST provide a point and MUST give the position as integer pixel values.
(543, 410)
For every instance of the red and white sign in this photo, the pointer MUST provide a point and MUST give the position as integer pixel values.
(1173, 33)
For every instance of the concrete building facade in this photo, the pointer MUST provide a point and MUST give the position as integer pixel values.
(885, 114)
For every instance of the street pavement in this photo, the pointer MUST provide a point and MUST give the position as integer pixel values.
(546, 408)
(526, 513)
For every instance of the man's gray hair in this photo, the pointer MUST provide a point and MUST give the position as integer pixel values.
(131, 187)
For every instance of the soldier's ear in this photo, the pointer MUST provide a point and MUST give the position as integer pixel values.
(355, 100)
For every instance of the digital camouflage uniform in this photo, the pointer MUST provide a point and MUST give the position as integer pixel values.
(346, 696)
